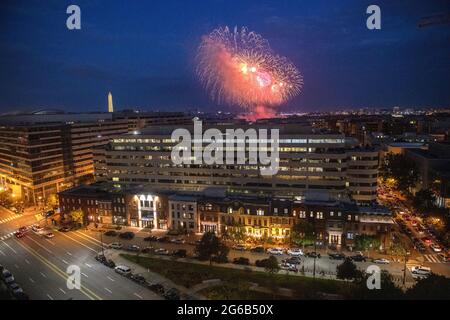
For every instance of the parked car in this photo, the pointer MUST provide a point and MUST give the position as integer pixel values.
(419, 272)
(147, 250)
(133, 248)
(275, 251)
(109, 263)
(128, 235)
(180, 253)
(156, 287)
(115, 245)
(178, 241)
(295, 252)
(239, 247)
(381, 261)
(288, 267)
(37, 228)
(172, 294)
(358, 258)
(427, 240)
(23, 229)
(151, 238)
(123, 270)
(64, 229)
(138, 278)
(162, 252)
(101, 258)
(336, 256)
(163, 239)
(313, 255)
(49, 235)
(257, 249)
(15, 288)
(293, 260)
(436, 248)
(241, 261)
(7, 276)
(111, 233)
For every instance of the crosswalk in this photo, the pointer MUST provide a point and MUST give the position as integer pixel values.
(433, 258)
(4, 220)
(6, 236)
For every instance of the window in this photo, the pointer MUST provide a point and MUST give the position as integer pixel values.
(349, 217)
(319, 215)
(275, 210)
(286, 211)
(350, 235)
(260, 212)
(331, 214)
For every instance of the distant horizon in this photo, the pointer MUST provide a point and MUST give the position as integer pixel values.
(144, 53)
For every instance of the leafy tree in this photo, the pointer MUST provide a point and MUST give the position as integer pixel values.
(424, 200)
(76, 216)
(271, 265)
(388, 290)
(402, 170)
(434, 287)
(237, 233)
(303, 233)
(211, 247)
(348, 270)
(52, 200)
(365, 242)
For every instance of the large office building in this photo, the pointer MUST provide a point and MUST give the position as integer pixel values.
(307, 161)
(44, 153)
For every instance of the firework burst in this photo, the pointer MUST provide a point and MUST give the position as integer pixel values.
(238, 67)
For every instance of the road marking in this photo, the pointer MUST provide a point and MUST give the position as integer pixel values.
(10, 247)
(49, 296)
(110, 278)
(31, 280)
(88, 265)
(68, 253)
(85, 235)
(62, 290)
(52, 243)
(43, 274)
(65, 235)
(87, 292)
(27, 262)
(2, 253)
(64, 261)
(40, 245)
(138, 296)
(15, 265)
(108, 290)
(84, 274)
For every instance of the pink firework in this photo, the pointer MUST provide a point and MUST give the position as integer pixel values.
(238, 67)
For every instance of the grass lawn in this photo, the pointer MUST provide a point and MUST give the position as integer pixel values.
(190, 274)
(235, 292)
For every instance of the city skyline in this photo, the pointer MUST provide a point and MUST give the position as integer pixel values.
(146, 56)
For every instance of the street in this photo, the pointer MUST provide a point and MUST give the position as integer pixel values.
(39, 266)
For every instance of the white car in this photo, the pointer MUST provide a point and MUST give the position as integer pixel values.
(123, 270)
(275, 251)
(49, 235)
(7, 276)
(420, 272)
(115, 245)
(436, 248)
(381, 261)
(162, 252)
(37, 228)
(15, 288)
(295, 252)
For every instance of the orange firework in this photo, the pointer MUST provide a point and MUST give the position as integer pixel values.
(238, 67)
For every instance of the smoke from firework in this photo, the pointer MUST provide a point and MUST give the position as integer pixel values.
(238, 67)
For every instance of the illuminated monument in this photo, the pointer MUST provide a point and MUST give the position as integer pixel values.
(110, 103)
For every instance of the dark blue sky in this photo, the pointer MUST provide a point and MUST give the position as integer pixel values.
(143, 52)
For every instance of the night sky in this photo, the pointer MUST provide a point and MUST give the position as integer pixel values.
(143, 51)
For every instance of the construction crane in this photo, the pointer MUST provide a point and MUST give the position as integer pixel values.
(433, 20)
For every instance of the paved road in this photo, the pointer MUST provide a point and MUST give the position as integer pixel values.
(39, 266)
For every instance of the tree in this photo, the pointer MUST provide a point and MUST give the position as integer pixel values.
(434, 287)
(365, 242)
(348, 270)
(210, 246)
(402, 170)
(76, 216)
(52, 200)
(303, 233)
(271, 265)
(424, 201)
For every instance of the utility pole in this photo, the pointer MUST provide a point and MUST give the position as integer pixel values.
(101, 241)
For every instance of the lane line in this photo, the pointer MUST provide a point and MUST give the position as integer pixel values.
(49, 296)
(82, 236)
(108, 290)
(2, 253)
(138, 296)
(62, 290)
(27, 262)
(87, 292)
(65, 235)
(84, 274)
(10, 247)
(90, 237)
(88, 265)
(111, 278)
(40, 245)
(64, 261)
(31, 280)
(43, 274)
